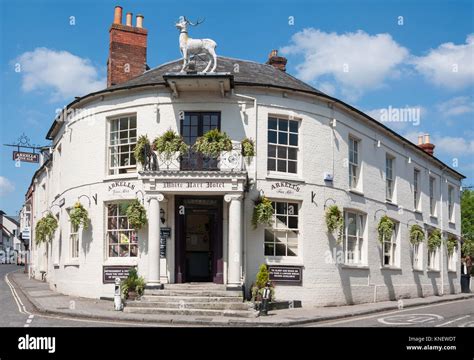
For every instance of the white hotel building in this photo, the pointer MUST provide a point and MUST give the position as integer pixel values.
(312, 151)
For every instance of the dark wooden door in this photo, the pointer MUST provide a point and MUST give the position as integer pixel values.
(199, 255)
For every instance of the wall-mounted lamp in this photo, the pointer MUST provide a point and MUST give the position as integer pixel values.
(333, 122)
(162, 215)
(409, 160)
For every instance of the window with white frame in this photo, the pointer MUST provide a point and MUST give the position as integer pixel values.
(282, 145)
(432, 196)
(122, 240)
(416, 189)
(354, 237)
(390, 247)
(389, 176)
(450, 203)
(122, 141)
(453, 259)
(353, 162)
(281, 239)
(418, 256)
(74, 241)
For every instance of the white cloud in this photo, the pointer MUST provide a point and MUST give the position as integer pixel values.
(449, 65)
(6, 186)
(447, 145)
(357, 61)
(456, 106)
(61, 72)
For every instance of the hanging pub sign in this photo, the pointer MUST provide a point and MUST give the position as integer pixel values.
(25, 157)
(281, 274)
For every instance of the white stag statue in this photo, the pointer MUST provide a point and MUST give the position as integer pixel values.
(194, 47)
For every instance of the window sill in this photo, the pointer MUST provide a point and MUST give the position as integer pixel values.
(452, 223)
(418, 270)
(391, 203)
(356, 192)
(131, 261)
(433, 271)
(393, 268)
(283, 260)
(284, 176)
(122, 176)
(417, 212)
(452, 271)
(72, 263)
(356, 267)
(434, 217)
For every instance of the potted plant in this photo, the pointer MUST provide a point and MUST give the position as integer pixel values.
(262, 278)
(262, 212)
(79, 216)
(169, 144)
(136, 214)
(385, 228)
(248, 147)
(133, 286)
(142, 150)
(212, 143)
(45, 228)
(416, 234)
(335, 221)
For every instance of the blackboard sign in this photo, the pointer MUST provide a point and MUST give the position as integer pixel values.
(165, 233)
(286, 274)
(109, 273)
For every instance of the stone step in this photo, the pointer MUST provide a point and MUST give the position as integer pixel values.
(189, 292)
(191, 305)
(176, 298)
(195, 286)
(195, 312)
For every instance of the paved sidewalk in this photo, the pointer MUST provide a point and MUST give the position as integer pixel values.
(48, 301)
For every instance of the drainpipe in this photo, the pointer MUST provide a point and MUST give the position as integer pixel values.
(244, 262)
(441, 189)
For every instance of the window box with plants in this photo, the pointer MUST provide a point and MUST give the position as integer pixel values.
(170, 148)
(215, 146)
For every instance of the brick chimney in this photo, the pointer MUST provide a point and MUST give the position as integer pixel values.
(277, 61)
(127, 49)
(424, 143)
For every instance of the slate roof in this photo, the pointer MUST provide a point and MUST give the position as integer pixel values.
(249, 73)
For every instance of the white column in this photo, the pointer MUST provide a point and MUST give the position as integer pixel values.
(153, 280)
(235, 239)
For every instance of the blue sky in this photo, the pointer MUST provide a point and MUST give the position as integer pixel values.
(374, 55)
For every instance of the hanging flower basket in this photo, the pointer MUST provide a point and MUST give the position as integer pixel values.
(212, 143)
(335, 221)
(262, 212)
(385, 228)
(142, 148)
(451, 244)
(170, 143)
(248, 147)
(79, 216)
(45, 228)
(434, 239)
(136, 215)
(417, 234)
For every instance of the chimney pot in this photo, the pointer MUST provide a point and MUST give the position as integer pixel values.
(118, 15)
(420, 139)
(140, 21)
(426, 145)
(427, 138)
(129, 19)
(276, 61)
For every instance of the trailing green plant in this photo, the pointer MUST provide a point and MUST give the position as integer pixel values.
(417, 234)
(45, 228)
(451, 244)
(248, 147)
(79, 216)
(434, 239)
(335, 221)
(385, 228)
(212, 143)
(136, 214)
(261, 281)
(262, 212)
(140, 149)
(170, 143)
(133, 283)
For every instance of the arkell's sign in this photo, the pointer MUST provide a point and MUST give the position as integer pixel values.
(111, 272)
(25, 156)
(286, 188)
(286, 274)
(120, 187)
